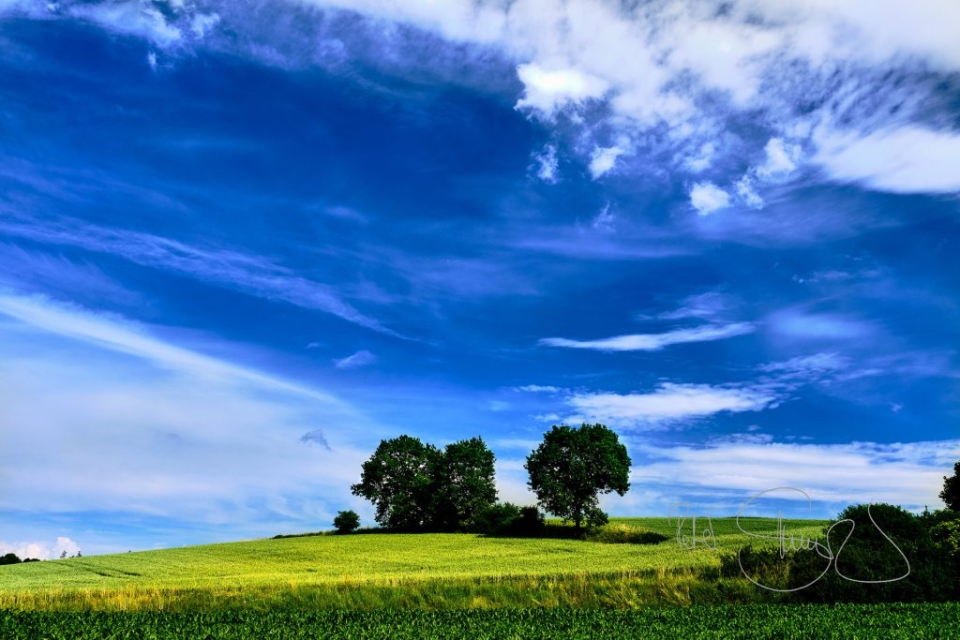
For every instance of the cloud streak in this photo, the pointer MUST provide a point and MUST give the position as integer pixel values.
(242, 272)
(655, 341)
(669, 403)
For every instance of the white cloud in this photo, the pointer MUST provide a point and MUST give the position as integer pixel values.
(537, 388)
(42, 550)
(112, 333)
(669, 403)
(605, 220)
(707, 197)
(664, 63)
(747, 194)
(358, 359)
(549, 165)
(704, 306)
(812, 326)
(250, 274)
(702, 159)
(655, 341)
(781, 159)
(806, 366)
(135, 17)
(201, 24)
(909, 159)
(603, 160)
(132, 424)
(550, 90)
(908, 474)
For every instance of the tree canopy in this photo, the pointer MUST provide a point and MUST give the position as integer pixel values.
(951, 489)
(415, 486)
(572, 466)
(464, 484)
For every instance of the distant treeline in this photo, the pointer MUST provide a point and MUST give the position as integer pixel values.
(11, 558)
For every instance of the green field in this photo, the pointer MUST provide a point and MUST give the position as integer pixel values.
(309, 567)
(431, 585)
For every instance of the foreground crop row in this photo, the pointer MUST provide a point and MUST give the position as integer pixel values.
(913, 621)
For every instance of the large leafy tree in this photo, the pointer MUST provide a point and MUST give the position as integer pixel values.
(951, 489)
(572, 466)
(464, 484)
(398, 479)
(415, 486)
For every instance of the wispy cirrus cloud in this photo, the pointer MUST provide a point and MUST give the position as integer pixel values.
(907, 159)
(234, 270)
(142, 425)
(113, 333)
(655, 341)
(359, 359)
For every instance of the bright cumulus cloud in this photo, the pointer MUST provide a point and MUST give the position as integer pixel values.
(707, 197)
(549, 90)
(604, 159)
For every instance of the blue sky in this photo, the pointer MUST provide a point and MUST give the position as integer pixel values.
(243, 242)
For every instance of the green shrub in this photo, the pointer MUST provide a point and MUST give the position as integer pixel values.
(624, 534)
(346, 522)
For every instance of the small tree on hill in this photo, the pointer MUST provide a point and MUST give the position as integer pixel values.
(572, 466)
(346, 522)
(951, 489)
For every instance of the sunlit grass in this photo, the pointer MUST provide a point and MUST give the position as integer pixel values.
(396, 570)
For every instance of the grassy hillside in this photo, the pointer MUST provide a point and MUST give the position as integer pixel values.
(434, 571)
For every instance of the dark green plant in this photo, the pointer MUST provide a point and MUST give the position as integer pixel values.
(416, 487)
(398, 479)
(346, 522)
(10, 558)
(951, 489)
(572, 466)
(464, 484)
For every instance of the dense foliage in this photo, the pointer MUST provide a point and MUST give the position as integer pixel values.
(870, 553)
(463, 485)
(951, 489)
(398, 479)
(12, 558)
(346, 521)
(572, 466)
(808, 622)
(417, 487)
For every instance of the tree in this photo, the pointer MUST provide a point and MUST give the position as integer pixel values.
(415, 486)
(572, 466)
(398, 479)
(10, 558)
(346, 522)
(951, 489)
(464, 485)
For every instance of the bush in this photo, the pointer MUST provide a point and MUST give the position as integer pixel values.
(507, 519)
(930, 543)
(10, 558)
(346, 522)
(624, 534)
